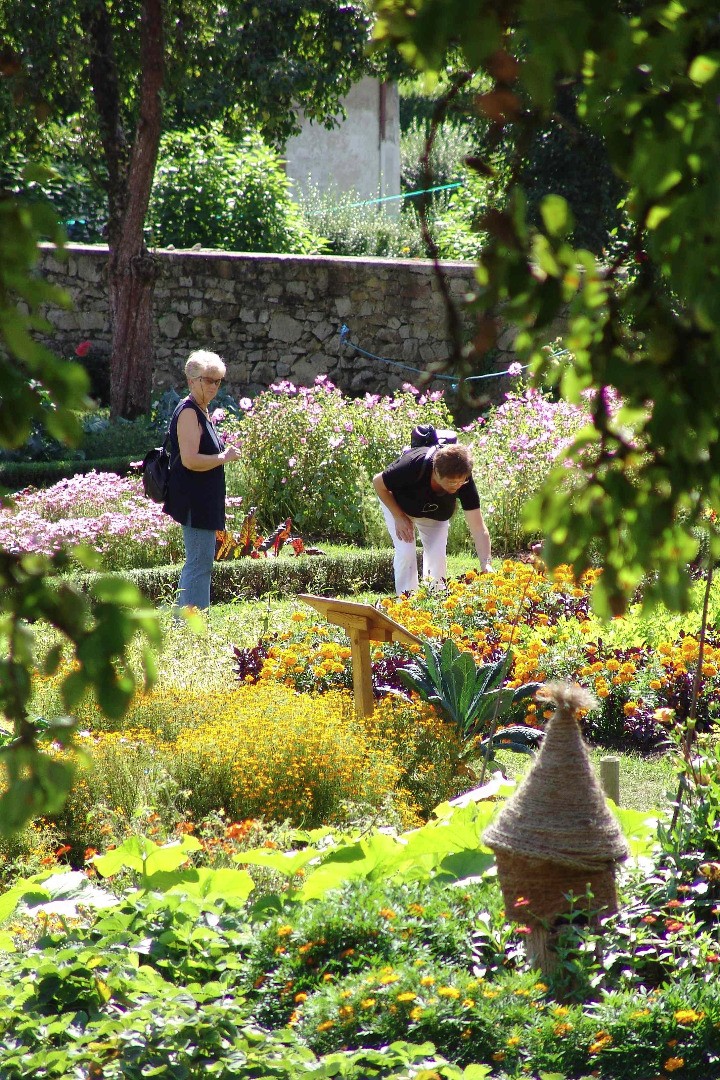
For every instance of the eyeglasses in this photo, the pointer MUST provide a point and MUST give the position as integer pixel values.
(209, 382)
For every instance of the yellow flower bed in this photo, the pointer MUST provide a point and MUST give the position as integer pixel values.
(264, 751)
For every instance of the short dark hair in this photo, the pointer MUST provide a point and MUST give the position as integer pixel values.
(453, 461)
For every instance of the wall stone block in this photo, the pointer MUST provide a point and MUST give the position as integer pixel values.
(275, 316)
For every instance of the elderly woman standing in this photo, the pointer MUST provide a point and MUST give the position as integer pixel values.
(196, 488)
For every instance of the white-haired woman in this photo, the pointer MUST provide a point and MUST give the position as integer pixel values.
(196, 488)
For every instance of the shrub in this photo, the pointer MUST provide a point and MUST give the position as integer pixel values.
(515, 447)
(457, 224)
(311, 452)
(16, 475)
(247, 579)
(352, 226)
(103, 437)
(270, 752)
(451, 145)
(567, 158)
(230, 196)
(73, 181)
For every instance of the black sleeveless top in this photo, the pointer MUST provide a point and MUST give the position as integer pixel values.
(196, 498)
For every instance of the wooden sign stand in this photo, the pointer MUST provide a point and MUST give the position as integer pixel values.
(363, 623)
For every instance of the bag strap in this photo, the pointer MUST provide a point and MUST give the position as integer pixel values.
(166, 440)
(429, 455)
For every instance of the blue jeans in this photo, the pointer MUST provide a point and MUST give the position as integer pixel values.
(194, 584)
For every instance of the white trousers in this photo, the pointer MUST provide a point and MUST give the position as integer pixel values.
(433, 536)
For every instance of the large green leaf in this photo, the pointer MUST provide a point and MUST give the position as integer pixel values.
(140, 854)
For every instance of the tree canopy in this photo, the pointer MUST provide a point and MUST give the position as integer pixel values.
(125, 70)
(644, 322)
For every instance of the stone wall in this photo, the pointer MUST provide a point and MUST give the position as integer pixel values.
(274, 317)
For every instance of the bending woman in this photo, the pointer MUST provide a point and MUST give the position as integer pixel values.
(420, 491)
(196, 488)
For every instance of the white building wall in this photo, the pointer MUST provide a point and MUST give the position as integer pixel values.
(361, 156)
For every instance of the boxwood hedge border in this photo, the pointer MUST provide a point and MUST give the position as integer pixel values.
(366, 570)
(17, 475)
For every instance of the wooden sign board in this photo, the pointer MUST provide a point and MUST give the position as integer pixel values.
(363, 623)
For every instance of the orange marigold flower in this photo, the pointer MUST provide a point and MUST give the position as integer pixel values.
(688, 1016)
(602, 1039)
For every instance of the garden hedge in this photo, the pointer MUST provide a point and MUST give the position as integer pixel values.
(245, 578)
(16, 475)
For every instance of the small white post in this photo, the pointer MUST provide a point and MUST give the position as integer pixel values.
(610, 778)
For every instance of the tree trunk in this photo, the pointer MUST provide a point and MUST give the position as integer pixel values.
(131, 269)
(131, 285)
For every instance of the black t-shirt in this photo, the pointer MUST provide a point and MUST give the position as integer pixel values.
(408, 479)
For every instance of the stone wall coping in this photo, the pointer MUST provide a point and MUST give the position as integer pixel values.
(451, 267)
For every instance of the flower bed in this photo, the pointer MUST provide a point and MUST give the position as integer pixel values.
(547, 622)
(103, 511)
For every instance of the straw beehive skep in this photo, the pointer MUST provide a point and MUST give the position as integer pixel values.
(559, 813)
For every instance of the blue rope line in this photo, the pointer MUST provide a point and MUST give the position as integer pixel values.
(452, 379)
(409, 194)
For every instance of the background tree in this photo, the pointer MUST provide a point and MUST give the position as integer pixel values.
(648, 324)
(114, 65)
